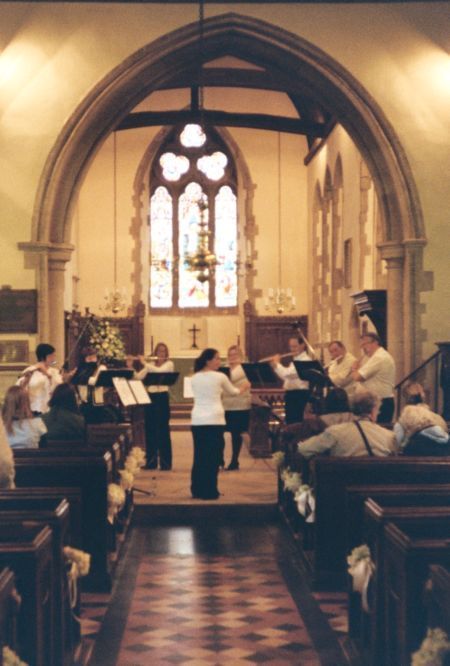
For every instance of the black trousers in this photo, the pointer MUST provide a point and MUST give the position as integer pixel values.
(208, 447)
(295, 403)
(157, 432)
(386, 411)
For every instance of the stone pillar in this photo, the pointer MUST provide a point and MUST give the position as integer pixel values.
(444, 379)
(49, 260)
(393, 254)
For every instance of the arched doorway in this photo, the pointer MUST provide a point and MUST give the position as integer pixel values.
(289, 57)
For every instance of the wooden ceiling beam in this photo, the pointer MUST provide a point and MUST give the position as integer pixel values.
(223, 118)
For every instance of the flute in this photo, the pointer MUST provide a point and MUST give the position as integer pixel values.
(270, 358)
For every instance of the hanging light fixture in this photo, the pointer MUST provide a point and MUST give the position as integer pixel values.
(115, 298)
(279, 298)
(203, 261)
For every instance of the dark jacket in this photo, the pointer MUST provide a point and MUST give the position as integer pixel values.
(64, 424)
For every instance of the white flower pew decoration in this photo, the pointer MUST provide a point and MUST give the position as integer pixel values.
(138, 454)
(126, 479)
(361, 568)
(116, 500)
(291, 480)
(306, 502)
(278, 458)
(80, 564)
(435, 647)
(10, 658)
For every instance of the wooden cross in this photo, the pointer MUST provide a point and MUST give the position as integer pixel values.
(194, 330)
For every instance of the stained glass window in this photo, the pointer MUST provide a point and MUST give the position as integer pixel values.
(161, 273)
(193, 167)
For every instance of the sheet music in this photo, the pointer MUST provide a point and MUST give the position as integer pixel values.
(124, 391)
(138, 389)
(187, 388)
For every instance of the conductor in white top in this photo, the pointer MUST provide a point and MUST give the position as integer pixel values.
(41, 379)
(296, 390)
(376, 372)
(208, 422)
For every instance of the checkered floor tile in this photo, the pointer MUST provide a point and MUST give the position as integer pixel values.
(213, 611)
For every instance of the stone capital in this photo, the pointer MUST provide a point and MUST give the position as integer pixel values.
(392, 252)
(56, 252)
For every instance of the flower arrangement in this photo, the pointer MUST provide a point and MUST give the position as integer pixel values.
(278, 458)
(434, 648)
(126, 479)
(10, 658)
(291, 480)
(79, 559)
(135, 460)
(361, 568)
(116, 500)
(106, 340)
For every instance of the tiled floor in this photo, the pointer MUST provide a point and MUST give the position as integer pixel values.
(210, 596)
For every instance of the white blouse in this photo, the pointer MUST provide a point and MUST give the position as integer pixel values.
(167, 366)
(207, 388)
(241, 402)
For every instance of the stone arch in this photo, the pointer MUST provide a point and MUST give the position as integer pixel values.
(261, 43)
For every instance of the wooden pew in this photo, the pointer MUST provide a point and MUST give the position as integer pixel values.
(27, 550)
(80, 447)
(54, 513)
(71, 494)
(91, 474)
(368, 629)
(331, 478)
(409, 551)
(387, 496)
(437, 598)
(9, 609)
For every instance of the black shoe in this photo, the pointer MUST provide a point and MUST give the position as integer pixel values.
(150, 466)
(232, 466)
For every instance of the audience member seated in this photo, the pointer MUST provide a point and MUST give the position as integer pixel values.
(420, 431)
(22, 428)
(64, 420)
(361, 437)
(335, 409)
(6, 460)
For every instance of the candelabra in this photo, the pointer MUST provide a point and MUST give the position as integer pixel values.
(203, 261)
(279, 299)
(114, 300)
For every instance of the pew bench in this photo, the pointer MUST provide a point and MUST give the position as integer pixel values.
(27, 551)
(54, 513)
(368, 629)
(92, 474)
(331, 477)
(437, 598)
(9, 609)
(409, 551)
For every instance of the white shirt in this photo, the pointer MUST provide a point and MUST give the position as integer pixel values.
(167, 366)
(339, 371)
(378, 374)
(208, 387)
(289, 375)
(40, 387)
(241, 402)
(26, 433)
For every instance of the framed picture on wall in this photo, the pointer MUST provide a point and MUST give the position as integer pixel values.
(18, 310)
(14, 351)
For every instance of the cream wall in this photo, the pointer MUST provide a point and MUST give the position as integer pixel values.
(53, 54)
(358, 224)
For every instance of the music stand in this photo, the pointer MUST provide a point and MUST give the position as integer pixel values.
(313, 372)
(261, 374)
(160, 378)
(105, 377)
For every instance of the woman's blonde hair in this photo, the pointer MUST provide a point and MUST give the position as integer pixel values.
(16, 407)
(418, 417)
